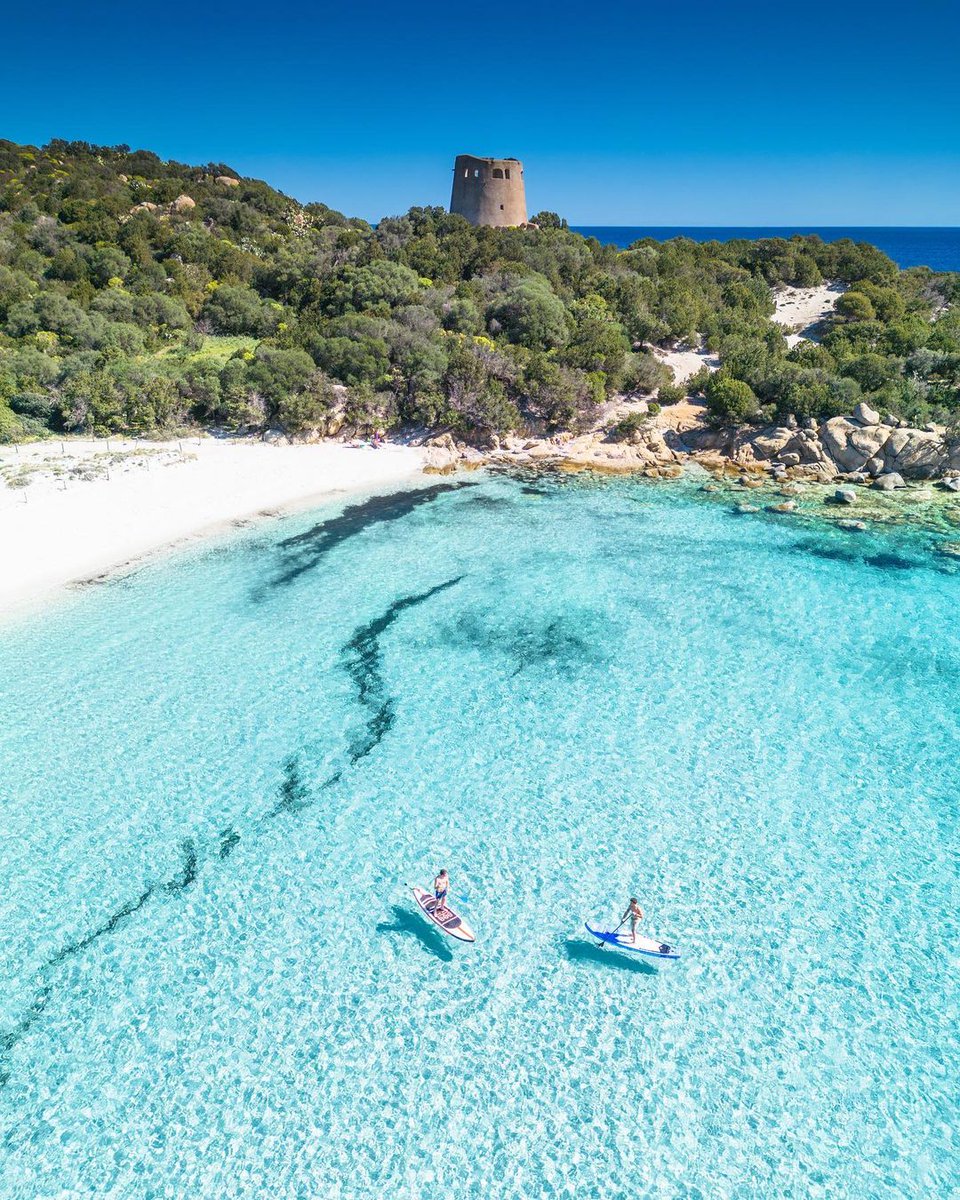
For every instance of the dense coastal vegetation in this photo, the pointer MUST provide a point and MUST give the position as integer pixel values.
(141, 296)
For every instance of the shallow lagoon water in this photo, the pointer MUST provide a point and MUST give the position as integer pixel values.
(220, 772)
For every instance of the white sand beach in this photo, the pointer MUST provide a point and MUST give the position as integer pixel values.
(74, 510)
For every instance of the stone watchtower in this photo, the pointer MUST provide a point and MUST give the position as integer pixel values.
(489, 191)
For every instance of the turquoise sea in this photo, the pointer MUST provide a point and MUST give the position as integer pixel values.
(220, 773)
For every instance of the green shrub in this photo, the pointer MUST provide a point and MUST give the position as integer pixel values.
(855, 306)
(40, 405)
(730, 400)
(530, 315)
(630, 425)
(671, 393)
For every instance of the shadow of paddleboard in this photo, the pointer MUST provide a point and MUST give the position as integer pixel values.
(409, 923)
(579, 951)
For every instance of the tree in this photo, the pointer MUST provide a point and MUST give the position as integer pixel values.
(801, 392)
(239, 310)
(278, 374)
(461, 315)
(307, 410)
(905, 336)
(375, 288)
(598, 342)
(105, 263)
(200, 385)
(356, 362)
(871, 371)
(530, 314)
(671, 393)
(477, 398)
(730, 400)
(643, 372)
(549, 220)
(855, 306)
(561, 397)
(163, 316)
(241, 405)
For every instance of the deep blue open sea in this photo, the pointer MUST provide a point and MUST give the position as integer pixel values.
(921, 246)
(218, 775)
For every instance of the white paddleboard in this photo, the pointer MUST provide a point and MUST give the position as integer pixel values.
(444, 918)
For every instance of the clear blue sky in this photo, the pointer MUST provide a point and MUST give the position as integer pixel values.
(624, 113)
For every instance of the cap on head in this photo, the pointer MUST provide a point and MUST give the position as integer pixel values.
(634, 900)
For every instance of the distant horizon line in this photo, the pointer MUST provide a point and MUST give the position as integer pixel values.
(755, 225)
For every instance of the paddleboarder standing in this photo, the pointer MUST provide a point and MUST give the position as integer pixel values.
(441, 885)
(635, 913)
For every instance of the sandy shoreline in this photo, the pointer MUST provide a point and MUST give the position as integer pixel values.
(75, 510)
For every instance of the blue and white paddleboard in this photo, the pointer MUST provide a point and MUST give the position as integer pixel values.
(648, 947)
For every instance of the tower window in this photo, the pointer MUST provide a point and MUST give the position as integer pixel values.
(497, 173)
(466, 172)
(476, 173)
(507, 172)
(501, 207)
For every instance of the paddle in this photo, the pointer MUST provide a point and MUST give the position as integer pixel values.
(462, 899)
(602, 944)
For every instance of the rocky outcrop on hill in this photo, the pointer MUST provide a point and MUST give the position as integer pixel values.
(182, 204)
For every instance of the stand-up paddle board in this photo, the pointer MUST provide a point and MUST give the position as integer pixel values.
(443, 917)
(648, 947)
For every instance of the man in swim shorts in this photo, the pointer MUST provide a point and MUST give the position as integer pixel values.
(441, 885)
(635, 913)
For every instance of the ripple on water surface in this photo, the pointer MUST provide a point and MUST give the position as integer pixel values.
(219, 777)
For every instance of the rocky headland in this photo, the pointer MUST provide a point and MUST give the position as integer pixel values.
(859, 448)
(855, 471)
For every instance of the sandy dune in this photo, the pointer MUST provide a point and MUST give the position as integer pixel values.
(801, 310)
(686, 362)
(77, 509)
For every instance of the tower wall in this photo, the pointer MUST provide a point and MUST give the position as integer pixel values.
(489, 191)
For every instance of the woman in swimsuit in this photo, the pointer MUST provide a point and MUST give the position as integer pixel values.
(635, 913)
